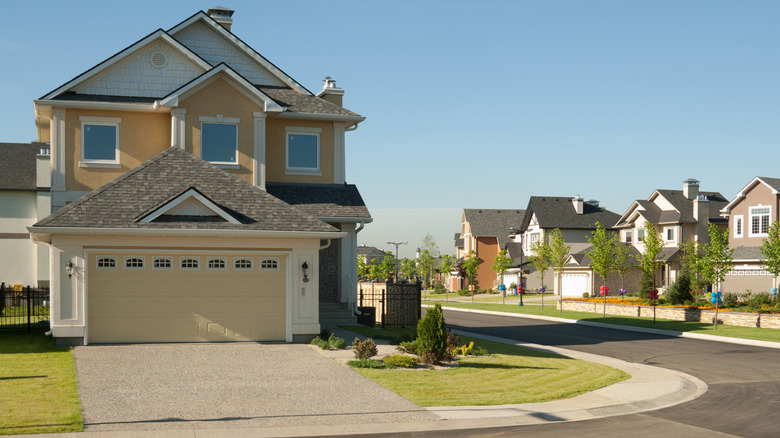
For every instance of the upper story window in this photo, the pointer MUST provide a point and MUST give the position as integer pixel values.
(99, 141)
(219, 140)
(669, 234)
(640, 235)
(627, 236)
(302, 156)
(738, 226)
(759, 220)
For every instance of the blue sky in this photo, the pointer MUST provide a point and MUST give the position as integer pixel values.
(477, 104)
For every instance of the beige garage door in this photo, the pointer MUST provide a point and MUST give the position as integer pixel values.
(185, 297)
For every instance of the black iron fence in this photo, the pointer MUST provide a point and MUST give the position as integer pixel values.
(394, 304)
(23, 308)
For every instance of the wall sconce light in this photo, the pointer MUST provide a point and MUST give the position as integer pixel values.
(305, 267)
(69, 268)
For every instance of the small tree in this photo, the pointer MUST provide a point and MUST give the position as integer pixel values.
(541, 260)
(384, 270)
(501, 263)
(429, 243)
(431, 340)
(771, 251)
(470, 266)
(601, 255)
(716, 260)
(426, 267)
(648, 259)
(559, 253)
(408, 268)
(362, 268)
(447, 265)
(622, 262)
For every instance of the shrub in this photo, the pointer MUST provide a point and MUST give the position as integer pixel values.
(585, 295)
(366, 363)
(479, 351)
(432, 336)
(407, 347)
(760, 299)
(324, 333)
(645, 286)
(463, 293)
(730, 300)
(318, 341)
(439, 289)
(453, 344)
(512, 286)
(679, 291)
(400, 361)
(337, 342)
(466, 350)
(364, 349)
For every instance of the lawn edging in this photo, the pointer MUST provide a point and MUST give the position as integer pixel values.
(672, 333)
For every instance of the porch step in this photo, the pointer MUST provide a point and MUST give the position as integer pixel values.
(333, 315)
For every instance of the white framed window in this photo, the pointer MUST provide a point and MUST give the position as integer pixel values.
(302, 151)
(627, 236)
(243, 264)
(189, 263)
(640, 235)
(105, 262)
(135, 262)
(162, 263)
(738, 226)
(216, 264)
(269, 264)
(669, 234)
(759, 220)
(99, 141)
(219, 140)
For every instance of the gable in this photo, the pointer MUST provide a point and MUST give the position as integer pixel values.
(188, 205)
(151, 71)
(212, 47)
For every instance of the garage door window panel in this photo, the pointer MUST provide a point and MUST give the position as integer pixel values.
(243, 264)
(106, 262)
(269, 264)
(135, 262)
(189, 263)
(162, 264)
(216, 264)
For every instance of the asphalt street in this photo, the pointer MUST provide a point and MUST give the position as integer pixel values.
(744, 382)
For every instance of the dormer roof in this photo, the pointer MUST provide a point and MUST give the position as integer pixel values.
(772, 183)
(559, 212)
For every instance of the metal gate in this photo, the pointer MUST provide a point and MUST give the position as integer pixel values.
(23, 308)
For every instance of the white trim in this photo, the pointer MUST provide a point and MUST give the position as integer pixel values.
(259, 119)
(99, 121)
(43, 234)
(128, 258)
(110, 106)
(300, 130)
(179, 127)
(220, 120)
(162, 268)
(57, 139)
(189, 260)
(339, 153)
(328, 117)
(741, 219)
(666, 234)
(743, 193)
(191, 193)
(750, 220)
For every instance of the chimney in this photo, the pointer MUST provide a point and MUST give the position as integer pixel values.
(578, 204)
(701, 213)
(222, 15)
(690, 189)
(331, 92)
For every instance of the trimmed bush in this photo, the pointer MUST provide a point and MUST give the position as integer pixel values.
(366, 363)
(407, 347)
(730, 300)
(337, 342)
(432, 336)
(400, 361)
(318, 341)
(679, 291)
(364, 349)
(439, 289)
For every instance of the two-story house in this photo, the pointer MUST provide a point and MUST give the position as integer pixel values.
(486, 232)
(198, 193)
(749, 216)
(576, 219)
(678, 216)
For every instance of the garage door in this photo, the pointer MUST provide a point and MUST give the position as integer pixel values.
(185, 297)
(574, 285)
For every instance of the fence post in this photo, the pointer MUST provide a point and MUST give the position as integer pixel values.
(29, 308)
(2, 298)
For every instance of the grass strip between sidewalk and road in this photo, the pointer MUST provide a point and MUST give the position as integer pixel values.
(754, 333)
(38, 391)
(509, 375)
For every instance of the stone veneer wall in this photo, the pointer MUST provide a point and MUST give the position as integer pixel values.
(402, 302)
(765, 320)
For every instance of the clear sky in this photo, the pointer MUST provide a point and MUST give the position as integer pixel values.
(476, 104)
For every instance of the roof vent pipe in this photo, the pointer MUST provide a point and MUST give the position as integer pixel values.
(331, 92)
(222, 15)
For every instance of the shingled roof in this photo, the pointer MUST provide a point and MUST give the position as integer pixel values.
(558, 212)
(323, 200)
(17, 165)
(493, 223)
(682, 208)
(125, 201)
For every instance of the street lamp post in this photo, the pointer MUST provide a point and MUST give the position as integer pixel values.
(397, 244)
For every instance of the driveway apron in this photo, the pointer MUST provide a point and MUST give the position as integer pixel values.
(172, 386)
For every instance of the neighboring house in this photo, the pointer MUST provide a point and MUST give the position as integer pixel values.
(199, 194)
(576, 219)
(749, 216)
(486, 232)
(24, 198)
(678, 216)
(369, 253)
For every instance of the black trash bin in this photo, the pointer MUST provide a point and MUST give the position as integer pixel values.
(367, 316)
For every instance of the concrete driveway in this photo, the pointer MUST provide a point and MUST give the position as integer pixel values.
(173, 386)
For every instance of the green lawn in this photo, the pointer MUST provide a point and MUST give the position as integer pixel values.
(761, 334)
(38, 392)
(509, 375)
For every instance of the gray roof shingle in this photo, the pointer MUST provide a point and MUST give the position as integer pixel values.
(322, 200)
(558, 212)
(745, 252)
(298, 102)
(493, 223)
(17, 165)
(123, 202)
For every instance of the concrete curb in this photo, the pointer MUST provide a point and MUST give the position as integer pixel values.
(672, 333)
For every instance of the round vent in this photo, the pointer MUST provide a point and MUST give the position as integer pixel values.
(158, 59)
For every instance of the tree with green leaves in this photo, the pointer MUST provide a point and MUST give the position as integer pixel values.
(385, 270)
(622, 261)
(716, 260)
(470, 266)
(601, 255)
(446, 267)
(408, 268)
(559, 253)
(362, 267)
(541, 260)
(771, 251)
(429, 243)
(648, 259)
(426, 267)
(501, 263)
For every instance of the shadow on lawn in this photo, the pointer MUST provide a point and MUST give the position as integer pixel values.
(28, 342)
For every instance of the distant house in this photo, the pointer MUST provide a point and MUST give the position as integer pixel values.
(486, 232)
(368, 253)
(576, 219)
(749, 216)
(679, 216)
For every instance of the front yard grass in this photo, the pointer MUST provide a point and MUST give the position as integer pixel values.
(760, 334)
(509, 375)
(38, 392)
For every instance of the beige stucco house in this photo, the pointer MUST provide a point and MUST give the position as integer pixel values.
(198, 194)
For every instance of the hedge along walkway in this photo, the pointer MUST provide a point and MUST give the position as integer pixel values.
(38, 391)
